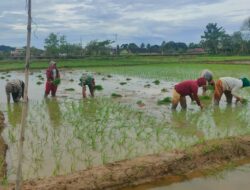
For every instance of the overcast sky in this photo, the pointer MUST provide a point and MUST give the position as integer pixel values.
(148, 21)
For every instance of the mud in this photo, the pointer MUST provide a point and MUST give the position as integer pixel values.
(118, 175)
(3, 150)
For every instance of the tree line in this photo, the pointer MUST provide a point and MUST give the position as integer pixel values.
(214, 41)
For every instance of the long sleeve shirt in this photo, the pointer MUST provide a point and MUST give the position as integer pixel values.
(188, 88)
(232, 84)
(14, 86)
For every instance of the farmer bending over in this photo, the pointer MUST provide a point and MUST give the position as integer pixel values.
(230, 87)
(53, 79)
(208, 75)
(187, 88)
(87, 79)
(16, 88)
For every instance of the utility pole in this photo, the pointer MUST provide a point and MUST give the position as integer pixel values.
(116, 49)
(25, 103)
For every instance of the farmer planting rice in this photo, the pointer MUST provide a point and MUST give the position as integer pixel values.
(16, 89)
(187, 88)
(87, 79)
(53, 79)
(230, 87)
(208, 75)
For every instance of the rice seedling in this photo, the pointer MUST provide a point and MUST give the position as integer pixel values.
(109, 76)
(69, 89)
(123, 83)
(205, 97)
(164, 101)
(2, 77)
(71, 80)
(114, 95)
(98, 87)
(140, 103)
(147, 86)
(39, 83)
(128, 79)
(164, 90)
(156, 82)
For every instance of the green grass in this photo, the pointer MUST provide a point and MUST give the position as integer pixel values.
(177, 71)
(121, 61)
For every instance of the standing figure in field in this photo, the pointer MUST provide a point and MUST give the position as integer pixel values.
(187, 88)
(230, 87)
(53, 79)
(87, 79)
(16, 89)
(208, 75)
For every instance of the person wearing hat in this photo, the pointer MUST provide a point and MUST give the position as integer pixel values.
(230, 87)
(53, 79)
(208, 75)
(16, 89)
(87, 79)
(187, 88)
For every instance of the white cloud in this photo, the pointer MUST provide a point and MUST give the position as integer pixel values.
(130, 19)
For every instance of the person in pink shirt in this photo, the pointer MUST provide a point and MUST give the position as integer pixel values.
(187, 88)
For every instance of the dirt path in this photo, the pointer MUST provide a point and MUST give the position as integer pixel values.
(140, 170)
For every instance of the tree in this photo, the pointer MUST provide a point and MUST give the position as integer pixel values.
(63, 45)
(52, 45)
(133, 48)
(99, 48)
(212, 37)
(245, 29)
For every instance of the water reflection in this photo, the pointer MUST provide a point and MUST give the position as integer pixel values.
(54, 111)
(237, 178)
(14, 112)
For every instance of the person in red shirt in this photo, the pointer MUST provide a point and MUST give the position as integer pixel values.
(187, 88)
(53, 79)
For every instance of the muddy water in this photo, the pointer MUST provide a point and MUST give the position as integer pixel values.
(66, 134)
(237, 178)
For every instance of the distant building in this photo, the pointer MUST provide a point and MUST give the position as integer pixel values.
(18, 52)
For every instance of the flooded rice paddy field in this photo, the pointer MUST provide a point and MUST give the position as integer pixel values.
(229, 179)
(66, 133)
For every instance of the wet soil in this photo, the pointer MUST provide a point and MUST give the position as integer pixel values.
(121, 174)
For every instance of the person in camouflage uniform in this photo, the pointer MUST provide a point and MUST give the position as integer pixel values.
(87, 79)
(16, 89)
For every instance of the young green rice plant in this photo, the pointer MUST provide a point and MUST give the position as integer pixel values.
(244, 101)
(123, 83)
(114, 95)
(164, 101)
(205, 97)
(71, 80)
(164, 90)
(156, 82)
(98, 87)
(128, 79)
(147, 86)
(2, 77)
(69, 89)
(109, 76)
(140, 103)
(39, 83)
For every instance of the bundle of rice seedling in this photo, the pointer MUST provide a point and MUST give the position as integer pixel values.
(164, 101)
